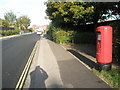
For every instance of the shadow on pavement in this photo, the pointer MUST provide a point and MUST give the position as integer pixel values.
(46, 36)
(38, 77)
(87, 61)
(86, 48)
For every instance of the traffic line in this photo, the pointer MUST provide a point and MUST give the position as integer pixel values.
(21, 80)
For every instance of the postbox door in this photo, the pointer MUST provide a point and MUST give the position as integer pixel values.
(98, 46)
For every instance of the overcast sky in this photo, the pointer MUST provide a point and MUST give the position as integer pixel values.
(34, 9)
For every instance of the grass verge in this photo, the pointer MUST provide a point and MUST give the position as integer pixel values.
(112, 77)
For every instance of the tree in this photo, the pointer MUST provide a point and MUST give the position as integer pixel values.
(1, 22)
(10, 17)
(104, 11)
(73, 13)
(5, 23)
(115, 10)
(23, 22)
(80, 13)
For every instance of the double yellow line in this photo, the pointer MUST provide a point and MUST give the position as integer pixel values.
(25, 71)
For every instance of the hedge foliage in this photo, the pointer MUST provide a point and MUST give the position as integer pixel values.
(9, 32)
(116, 40)
(62, 36)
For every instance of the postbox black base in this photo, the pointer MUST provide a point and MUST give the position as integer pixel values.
(104, 66)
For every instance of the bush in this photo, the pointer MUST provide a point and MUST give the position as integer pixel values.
(62, 36)
(9, 32)
(85, 37)
(116, 40)
(50, 31)
(31, 30)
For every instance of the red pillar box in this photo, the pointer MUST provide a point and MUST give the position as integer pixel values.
(104, 47)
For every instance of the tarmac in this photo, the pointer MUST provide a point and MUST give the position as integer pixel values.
(54, 66)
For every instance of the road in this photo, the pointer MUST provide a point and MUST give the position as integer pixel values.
(15, 53)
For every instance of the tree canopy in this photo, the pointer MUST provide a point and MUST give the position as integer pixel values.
(23, 22)
(5, 23)
(10, 17)
(77, 13)
(69, 12)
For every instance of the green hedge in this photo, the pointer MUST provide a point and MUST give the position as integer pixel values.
(85, 37)
(62, 36)
(116, 40)
(70, 36)
(9, 32)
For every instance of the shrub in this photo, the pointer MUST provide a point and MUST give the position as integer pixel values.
(50, 31)
(85, 37)
(116, 40)
(9, 32)
(62, 36)
(31, 30)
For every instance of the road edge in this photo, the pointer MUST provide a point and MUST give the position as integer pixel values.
(12, 36)
(25, 71)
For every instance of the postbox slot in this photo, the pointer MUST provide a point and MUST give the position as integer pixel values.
(98, 42)
(99, 36)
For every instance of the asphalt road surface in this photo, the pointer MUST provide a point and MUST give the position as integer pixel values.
(15, 53)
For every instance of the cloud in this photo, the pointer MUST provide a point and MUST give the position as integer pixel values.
(35, 9)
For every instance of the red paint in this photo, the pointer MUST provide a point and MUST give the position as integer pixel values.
(104, 44)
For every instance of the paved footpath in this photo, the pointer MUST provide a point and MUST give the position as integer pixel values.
(54, 67)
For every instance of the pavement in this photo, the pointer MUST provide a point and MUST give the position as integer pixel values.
(54, 67)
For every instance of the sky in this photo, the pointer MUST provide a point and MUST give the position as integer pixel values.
(34, 9)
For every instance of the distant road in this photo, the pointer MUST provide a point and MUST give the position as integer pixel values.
(15, 53)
